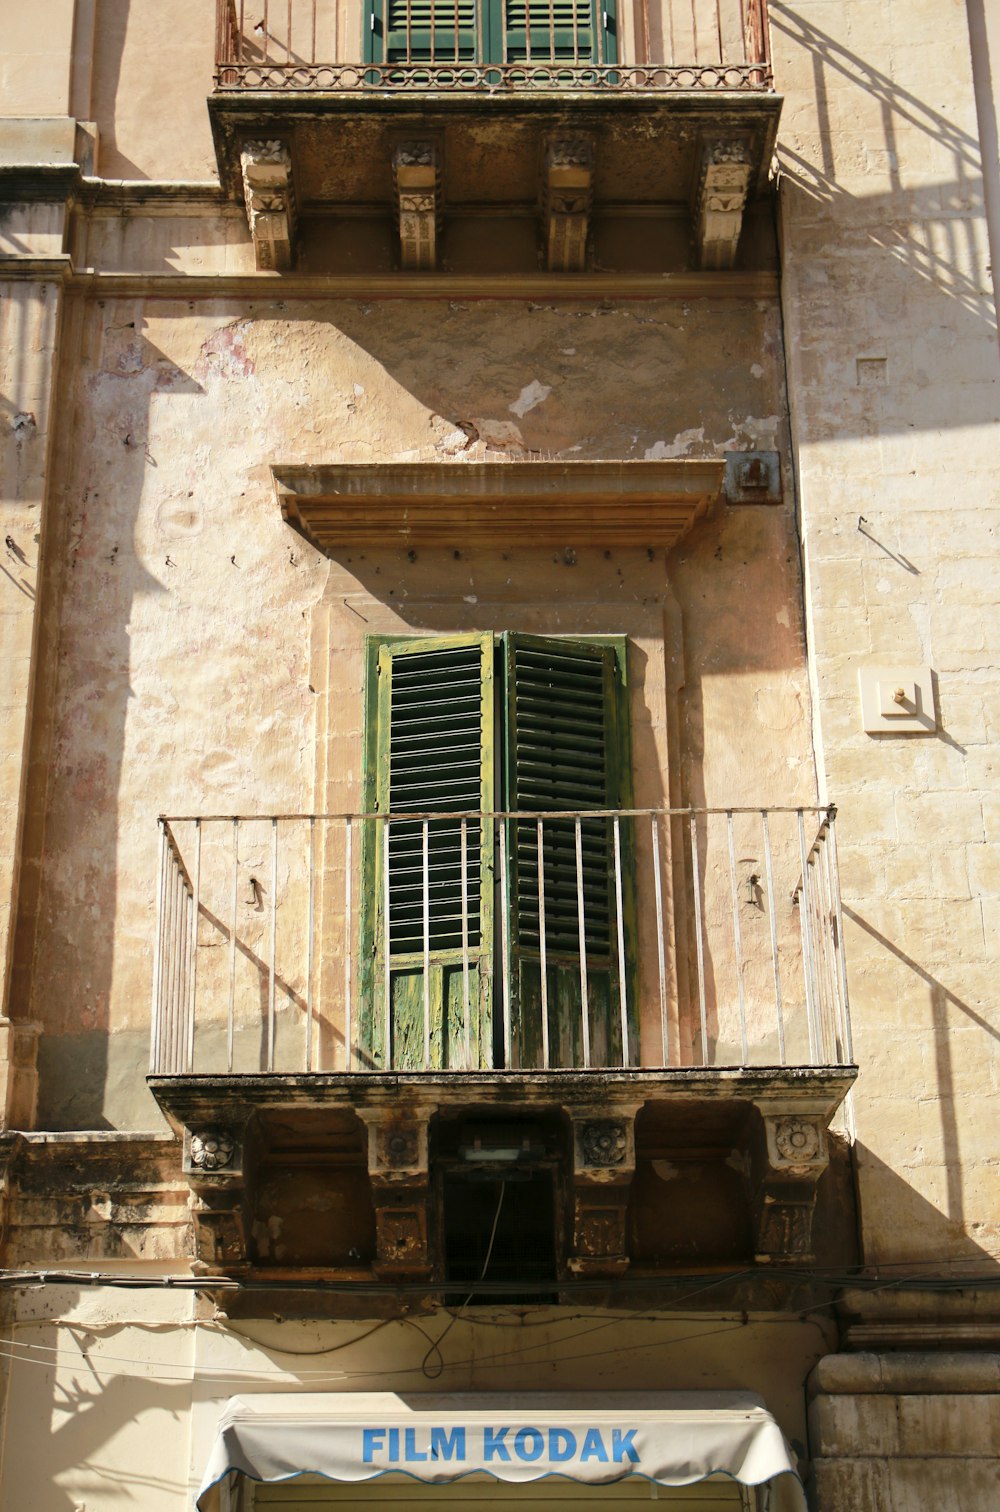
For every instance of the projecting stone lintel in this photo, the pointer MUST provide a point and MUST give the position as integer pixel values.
(269, 193)
(725, 176)
(416, 178)
(567, 197)
(598, 503)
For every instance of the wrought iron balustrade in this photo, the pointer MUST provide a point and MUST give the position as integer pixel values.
(500, 941)
(458, 46)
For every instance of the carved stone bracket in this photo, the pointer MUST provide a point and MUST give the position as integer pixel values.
(269, 192)
(789, 1154)
(603, 1168)
(568, 193)
(399, 1172)
(721, 192)
(416, 177)
(213, 1163)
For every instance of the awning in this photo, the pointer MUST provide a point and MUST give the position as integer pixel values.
(597, 1438)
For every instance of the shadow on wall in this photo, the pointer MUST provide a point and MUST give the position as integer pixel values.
(941, 1235)
(63, 953)
(917, 244)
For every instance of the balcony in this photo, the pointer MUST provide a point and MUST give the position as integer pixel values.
(434, 114)
(404, 972)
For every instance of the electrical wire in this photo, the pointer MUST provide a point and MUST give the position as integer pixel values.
(435, 1348)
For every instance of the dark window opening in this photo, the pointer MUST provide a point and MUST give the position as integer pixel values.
(499, 1228)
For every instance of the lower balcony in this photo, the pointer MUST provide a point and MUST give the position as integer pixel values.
(408, 1001)
(499, 943)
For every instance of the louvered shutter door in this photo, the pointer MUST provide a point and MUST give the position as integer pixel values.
(563, 753)
(568, 31)
(435, 756)
(422, 31)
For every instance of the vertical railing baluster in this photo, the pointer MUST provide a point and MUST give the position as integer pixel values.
(309, 942)
(661, 954)
(193, 966)
(541, 944)
(620, 924)
(805, 924)
(242, 32)
(582, 934)
(387, 951)
(427, 943)
(824, 952)
(272, 971)
(233, 925)
(348, 947)
(737, 939)
(841, 957)
(508, 1038)
(155, 1026)
(773, 920)
(170, 1028)
(265, 49)
(699, 936)
(466, 1005)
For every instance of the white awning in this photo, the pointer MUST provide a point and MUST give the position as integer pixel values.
(672, 1438)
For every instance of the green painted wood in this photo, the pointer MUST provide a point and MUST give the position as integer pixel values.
(489, 31)
(566, 749)
(429, 750)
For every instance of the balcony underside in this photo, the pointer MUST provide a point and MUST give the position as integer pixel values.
(426, 158)
(385, 1147)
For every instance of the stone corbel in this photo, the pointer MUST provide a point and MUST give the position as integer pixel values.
(399, 1172)
(214, 1164)
(568, 193)
(722, 188)
(603, 1168)
(416, 177)
(788, 1155)
(11, 1149)
(269, 191)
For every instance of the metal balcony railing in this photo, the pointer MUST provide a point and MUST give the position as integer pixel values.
(461, 46)
(353, 943)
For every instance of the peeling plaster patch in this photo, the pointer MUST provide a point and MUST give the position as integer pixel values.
(224, 352)
(499, 435)
(783, 618)
(530, 398)
(754, 433)
(665, 1170)
(567, 351)
(359, 390)
(681, 446)
(756, 371)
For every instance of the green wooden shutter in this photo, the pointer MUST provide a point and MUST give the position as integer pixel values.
(566, 750)
(448, 31)
(568, 31)
(421, 31)
(432, 753)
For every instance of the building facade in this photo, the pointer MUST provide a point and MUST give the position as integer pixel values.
(500, 860)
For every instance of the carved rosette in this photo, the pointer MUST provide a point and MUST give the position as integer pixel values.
(567, 198)
(797, 1140)
(416, 176)
(269, 191)
(604, 1142)
(723, 187)
(212, 1150)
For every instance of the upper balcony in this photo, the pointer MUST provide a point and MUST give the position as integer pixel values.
(436, 113)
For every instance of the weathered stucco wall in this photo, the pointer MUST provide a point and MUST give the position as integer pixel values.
(208, 660)
(122, 1435)
(893, 373)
